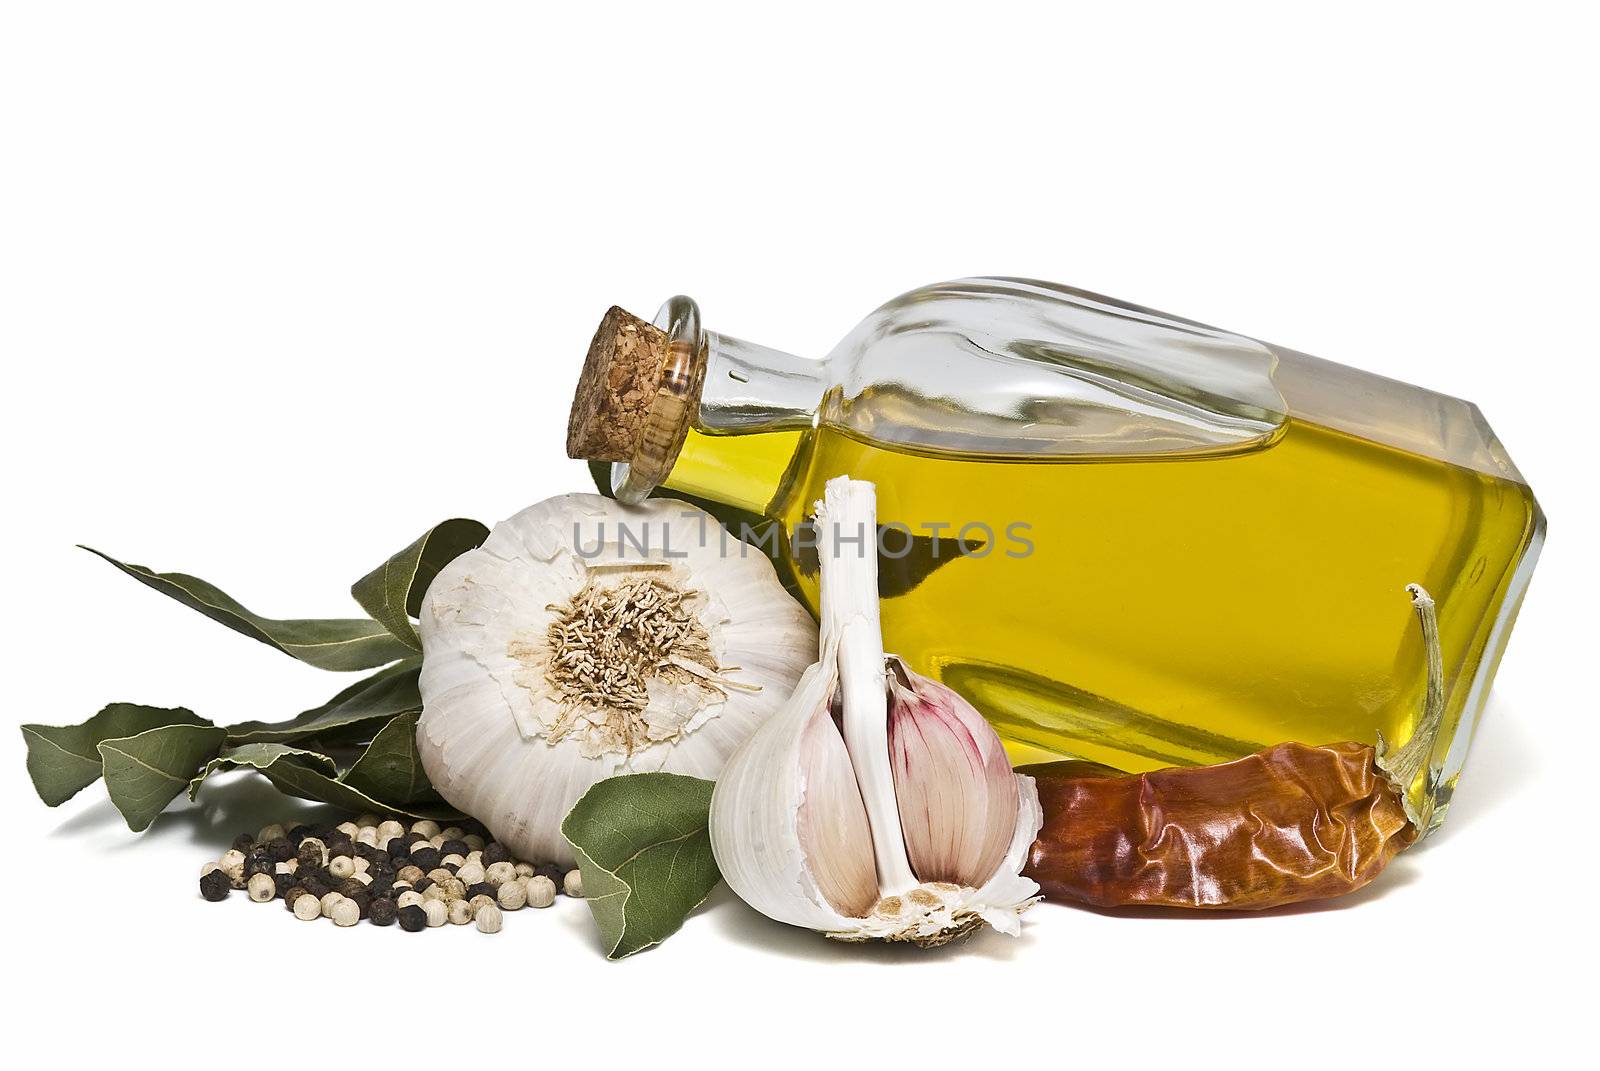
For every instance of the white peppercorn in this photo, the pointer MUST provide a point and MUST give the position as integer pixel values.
(433, 892)
(328, 900)
(389, 829)
(453, 833)
(470, 874)
(478, 902)
(498, 874)
(572, 883)
(524, 870)
(346, 912)
(440, 874)
(437, 841)
(307, 907)
(232, 864)
(409, 898)
(425, 828)
(409, 873)
(460, 912)
(368, 819)
(269, 834)
(488, 917)
(261, 888)
(209, 867)
(438, 913)
(341, 866)
(367, 835)
(349, 829)
(453, 860)
(511, 895)
(474, 842)
(541, 891)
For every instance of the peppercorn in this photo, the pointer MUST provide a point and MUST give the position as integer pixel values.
(298, 833)
(312, 852)
(243, 843)
(259, 861)
(438, 914)
(409, 873)
(371, 853)
(495, 852)
(477, 902)
(572, 883)
(472, 874)
(455, 847)
(488, 918)
(498, 874)
(460, 913)
(412, 918)
(282, 883)
(269, 833)
(291, 894)
(541, 891)
(511, 896)
(381, 911)
(474, 841)
(282, 849)
(339, 844)
(453, 863)
(215, 885)
(345, 913)
(316, 883)
(551, 871)
(261, 888)
(425, 856)
(328, 901)
(409, 898)
(482, 888)
(307, 908)
(423, 884)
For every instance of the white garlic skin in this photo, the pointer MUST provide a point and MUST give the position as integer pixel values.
(474, 735)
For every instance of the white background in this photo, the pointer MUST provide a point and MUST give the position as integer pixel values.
(281, 285)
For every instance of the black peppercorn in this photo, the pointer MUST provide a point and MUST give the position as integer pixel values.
(282, 850)
(426, 858)
(310, 856)
(494, 852)
(316, 884)
(455, 847)
(244, 842)
(551, 871)
(350, 887)
(297, 834)
(370, 853)
(259, 862)
(482, 888)
(412, 918)
(423, 884)
(399, 851)
(283, 882)
(215, 885)
(382, 912)
(339, 844)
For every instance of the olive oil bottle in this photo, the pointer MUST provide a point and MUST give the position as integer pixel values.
(1123, 536)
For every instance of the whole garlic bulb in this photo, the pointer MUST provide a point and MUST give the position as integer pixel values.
(878, 804)
(586, 639)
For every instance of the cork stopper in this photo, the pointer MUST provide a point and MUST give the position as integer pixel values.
(621, 375)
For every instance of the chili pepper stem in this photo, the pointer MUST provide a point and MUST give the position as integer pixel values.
(1402, 765)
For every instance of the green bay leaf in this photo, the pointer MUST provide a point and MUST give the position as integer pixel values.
(359, 710)
(340, 644)
(63, 760)
(392, 593)
(644, 849)
(146, 772)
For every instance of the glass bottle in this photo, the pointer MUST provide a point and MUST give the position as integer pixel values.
(1124, 536)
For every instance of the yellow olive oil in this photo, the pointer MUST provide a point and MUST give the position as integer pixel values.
(1171, 610)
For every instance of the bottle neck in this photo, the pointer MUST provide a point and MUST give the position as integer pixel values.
(751, 389)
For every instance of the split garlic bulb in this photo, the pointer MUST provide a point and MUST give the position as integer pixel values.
(878, 804)
(586, 639)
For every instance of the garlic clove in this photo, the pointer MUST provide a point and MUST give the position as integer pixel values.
(834, 837)
(755, 813)
(956, 791)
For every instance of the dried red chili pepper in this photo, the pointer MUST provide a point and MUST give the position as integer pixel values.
(1290, 823)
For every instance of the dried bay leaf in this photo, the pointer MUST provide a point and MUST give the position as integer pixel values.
(390, 769)
(340, 644)
(361, 708)
(311, 775)
(643, 843)
(392, 593)
(146, 772)
(65, 759)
